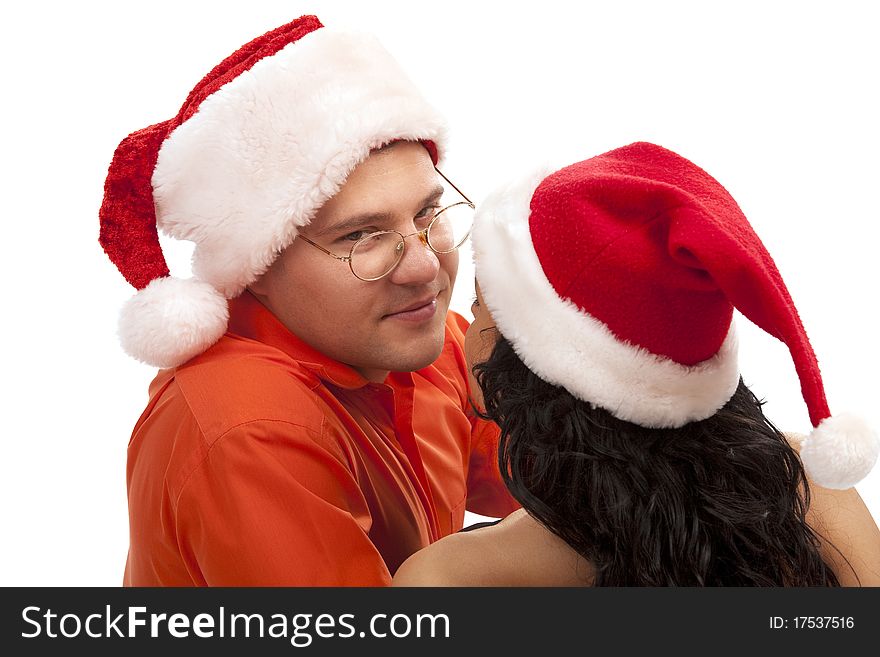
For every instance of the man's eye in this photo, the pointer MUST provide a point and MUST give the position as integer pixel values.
(356, 235)
(426, 214)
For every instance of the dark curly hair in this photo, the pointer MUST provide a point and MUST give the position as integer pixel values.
(720, 502)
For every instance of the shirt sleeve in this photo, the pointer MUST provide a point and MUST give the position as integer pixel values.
(486, 493)
(271, 506)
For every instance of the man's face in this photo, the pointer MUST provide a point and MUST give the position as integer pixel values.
(396, 323)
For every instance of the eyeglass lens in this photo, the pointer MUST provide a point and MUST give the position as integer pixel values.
(377, 254)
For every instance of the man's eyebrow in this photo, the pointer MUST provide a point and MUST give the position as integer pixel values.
(353, 223)
(360, 220)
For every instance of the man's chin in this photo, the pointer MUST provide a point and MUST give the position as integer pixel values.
(418, 356)
(412, 347)
(420, 359)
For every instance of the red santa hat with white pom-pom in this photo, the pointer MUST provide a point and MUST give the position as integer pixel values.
(637, 259)
(260, 144)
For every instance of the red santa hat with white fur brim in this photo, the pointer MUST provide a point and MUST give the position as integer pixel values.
(617, 277)
(260, 144)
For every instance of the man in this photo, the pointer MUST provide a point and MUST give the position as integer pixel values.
(318, 430)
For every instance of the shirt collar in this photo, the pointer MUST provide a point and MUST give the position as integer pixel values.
(249, 318)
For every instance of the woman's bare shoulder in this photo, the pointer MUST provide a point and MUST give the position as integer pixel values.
(448, 562)
(518, 551)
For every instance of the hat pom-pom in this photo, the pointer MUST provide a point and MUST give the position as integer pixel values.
(840, 452)
(172, 320)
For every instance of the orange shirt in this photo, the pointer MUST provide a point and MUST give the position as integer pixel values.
(262, 462)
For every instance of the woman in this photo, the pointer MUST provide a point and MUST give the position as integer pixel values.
(604, 347)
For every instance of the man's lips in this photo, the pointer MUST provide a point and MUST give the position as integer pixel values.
(421, 309)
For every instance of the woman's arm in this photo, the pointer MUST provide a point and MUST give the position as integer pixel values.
(850, 536)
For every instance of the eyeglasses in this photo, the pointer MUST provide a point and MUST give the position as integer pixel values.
(374, 256)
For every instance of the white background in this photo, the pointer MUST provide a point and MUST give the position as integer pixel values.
(774, 99)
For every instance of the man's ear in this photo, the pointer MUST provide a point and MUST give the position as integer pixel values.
(259, 287)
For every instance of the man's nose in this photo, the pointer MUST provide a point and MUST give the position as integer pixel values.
(419, 263)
